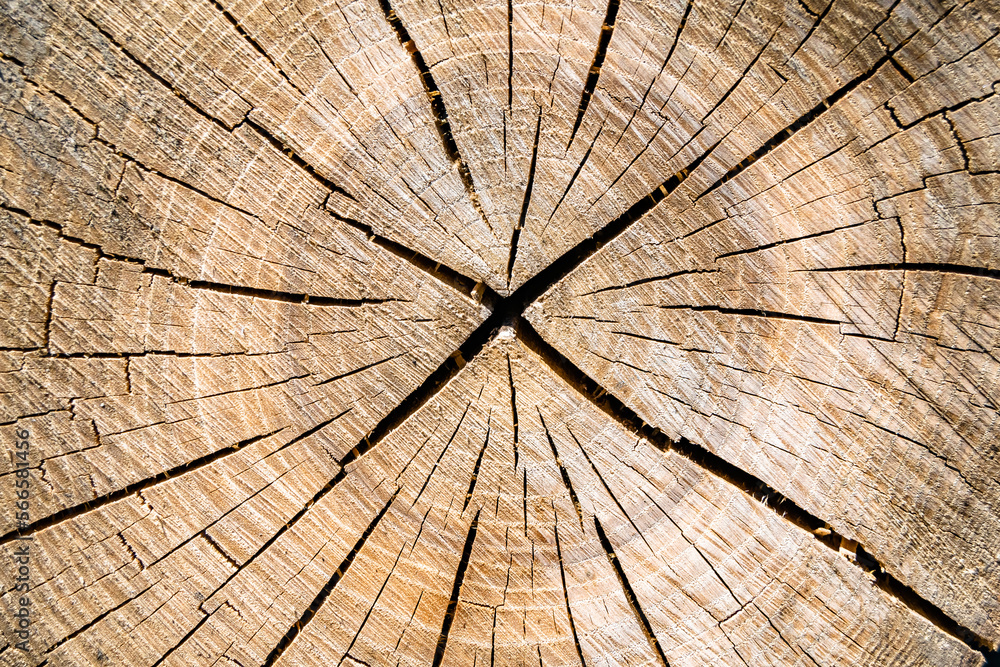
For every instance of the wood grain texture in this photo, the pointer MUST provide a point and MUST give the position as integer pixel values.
(774, 318)
(397, 332)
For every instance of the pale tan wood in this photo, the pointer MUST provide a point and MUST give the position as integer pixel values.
(513, 74)
(395, 173)
(155, 412)
(749, 381)
(731, 567)
(423, 472)
(248, 254)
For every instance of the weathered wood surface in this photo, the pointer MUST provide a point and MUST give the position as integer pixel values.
(264, 267)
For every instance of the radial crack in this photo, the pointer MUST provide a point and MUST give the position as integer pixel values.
(630, 596)
(652, 81)
(254, 43)
(97, 619)
(526, 202)
(190, 633)
(643, 281)
(438, 109)
(276, 295)
(513, 407)
(101, 501)
(768, 246)
(285, 150)
(510, 67)
(562, 576)
(524, 499)
(576, 174)
(562, 470)
(479, 461)
(156, 77)
(510, 308)
(456, 592)
(811, 115)
(364, 621)
(361, 369)
(441, 455)
(751, 312)
(715, 465)
(607, 30)
(445, 274)
(958, 269)
(611, 493)
(324, 593)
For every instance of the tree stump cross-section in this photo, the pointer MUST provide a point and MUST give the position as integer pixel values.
(393, 332)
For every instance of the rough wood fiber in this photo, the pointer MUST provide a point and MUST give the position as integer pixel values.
(775, 317)
(264, 266)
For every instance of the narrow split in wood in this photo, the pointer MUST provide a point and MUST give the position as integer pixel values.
(459, 332)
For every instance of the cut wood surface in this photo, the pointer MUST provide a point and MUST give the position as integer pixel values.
(397, 332)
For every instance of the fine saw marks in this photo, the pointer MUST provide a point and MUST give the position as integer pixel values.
(406, 332)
